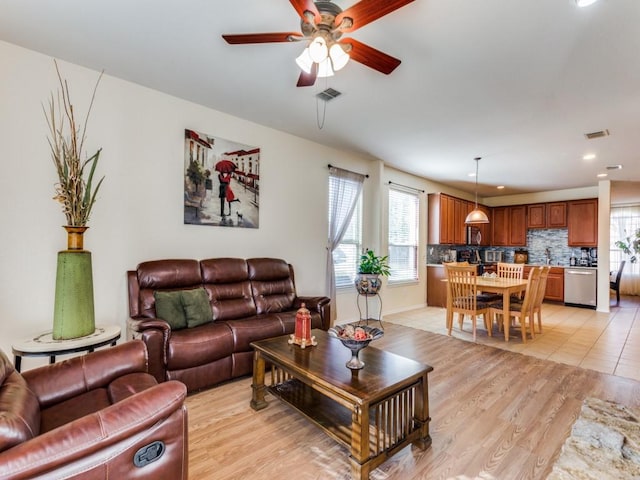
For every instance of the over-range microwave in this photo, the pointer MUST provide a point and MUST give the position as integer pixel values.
(492, 256)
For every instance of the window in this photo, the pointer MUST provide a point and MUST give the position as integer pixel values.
(403, 235)
(625, 221)
(347, 254)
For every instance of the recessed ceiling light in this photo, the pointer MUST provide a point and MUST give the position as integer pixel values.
(602, 175)
(589, 156)
(614, 167)
(500, 187)
(585, 3)
(472, 174)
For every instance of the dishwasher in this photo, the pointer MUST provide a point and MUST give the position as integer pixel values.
(580, 286)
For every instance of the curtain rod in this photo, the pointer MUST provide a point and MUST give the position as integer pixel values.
(350, 171)
(405, 186)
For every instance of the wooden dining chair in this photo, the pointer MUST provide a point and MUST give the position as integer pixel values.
(521, 311)
(462, 299)
(542, 288)
(513, 271)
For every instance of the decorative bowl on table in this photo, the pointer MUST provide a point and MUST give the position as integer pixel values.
(355, 338)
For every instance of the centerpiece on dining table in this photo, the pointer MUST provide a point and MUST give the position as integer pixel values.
(355, 338)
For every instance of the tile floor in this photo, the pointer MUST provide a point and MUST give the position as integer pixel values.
(606, 342)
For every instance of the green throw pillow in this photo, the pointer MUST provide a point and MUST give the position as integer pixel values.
(197, 308)
(169, 308)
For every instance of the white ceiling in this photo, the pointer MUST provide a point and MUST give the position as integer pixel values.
(516, 82)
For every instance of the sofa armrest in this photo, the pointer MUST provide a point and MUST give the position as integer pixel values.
(69, 378)
(78, 444)
(155, 333)
(322, 305)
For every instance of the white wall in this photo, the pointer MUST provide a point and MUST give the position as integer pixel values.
(139, 215)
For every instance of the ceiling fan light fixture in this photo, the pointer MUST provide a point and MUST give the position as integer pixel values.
(318, 50)
(304, 61)
(324, 68)
(339, 58)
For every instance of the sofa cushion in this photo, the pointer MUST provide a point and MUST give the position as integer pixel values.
(272, 284)
(169, 308)
(19, 411)
(197, 309)
(164, 275)
(197, 346)
(227, 283)
(247, 330)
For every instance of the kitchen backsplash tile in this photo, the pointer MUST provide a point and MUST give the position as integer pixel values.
(538, 240)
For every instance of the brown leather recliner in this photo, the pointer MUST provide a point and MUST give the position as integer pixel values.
(96, 416)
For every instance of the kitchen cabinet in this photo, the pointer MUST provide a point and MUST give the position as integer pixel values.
(509, 226)
(517, 226)
(582, 223)
(461, 210)
(500, 226)
(446, 220)
(557, 215)
(555, 283)
(537, 215)
(547, 215)
(436, 288)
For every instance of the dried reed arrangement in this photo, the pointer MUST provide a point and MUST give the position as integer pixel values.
(66, 139)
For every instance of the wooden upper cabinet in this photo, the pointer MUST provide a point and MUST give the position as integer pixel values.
(582, 222)
(500, 226)
(509, 227)
(557, 215)
(537, 215)
(518, 225)
(460, 230)
(441, 212)
(547, 215)
(446, 220)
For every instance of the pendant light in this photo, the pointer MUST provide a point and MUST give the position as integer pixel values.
(476, 215)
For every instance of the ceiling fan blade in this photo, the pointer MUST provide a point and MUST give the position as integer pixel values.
(308, 79)
(306, 5)
(242, 38)
(366, 11)
(370, 57)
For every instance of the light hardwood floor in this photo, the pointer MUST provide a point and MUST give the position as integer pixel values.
(496, 414)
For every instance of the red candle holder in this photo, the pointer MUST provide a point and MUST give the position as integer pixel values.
(302, 335)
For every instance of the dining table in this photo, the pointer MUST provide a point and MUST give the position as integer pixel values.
(502, 286)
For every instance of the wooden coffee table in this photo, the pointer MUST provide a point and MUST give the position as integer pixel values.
(374, 412)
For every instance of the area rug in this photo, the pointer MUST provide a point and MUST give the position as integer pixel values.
(604, 444)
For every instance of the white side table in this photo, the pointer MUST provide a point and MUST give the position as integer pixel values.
(43, 344)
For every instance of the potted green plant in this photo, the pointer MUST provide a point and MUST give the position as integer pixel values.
(630, 246)
(370, 269)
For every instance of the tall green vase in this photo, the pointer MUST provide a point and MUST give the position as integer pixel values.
(74, 314)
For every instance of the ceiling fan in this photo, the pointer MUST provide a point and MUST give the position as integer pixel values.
(322, 25)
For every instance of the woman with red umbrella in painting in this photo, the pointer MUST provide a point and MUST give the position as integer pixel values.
(225, 169)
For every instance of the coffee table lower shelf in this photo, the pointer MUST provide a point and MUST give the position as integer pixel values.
(391, 425)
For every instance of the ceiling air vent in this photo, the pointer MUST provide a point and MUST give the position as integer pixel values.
(328, 94)
(599, 134)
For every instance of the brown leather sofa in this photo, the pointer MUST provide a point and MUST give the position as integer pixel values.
(96, 416)
(251, 299)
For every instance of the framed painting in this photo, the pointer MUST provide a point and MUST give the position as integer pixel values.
(221, 182)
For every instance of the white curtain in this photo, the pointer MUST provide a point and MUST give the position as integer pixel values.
(344, 189)
(625, 221)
